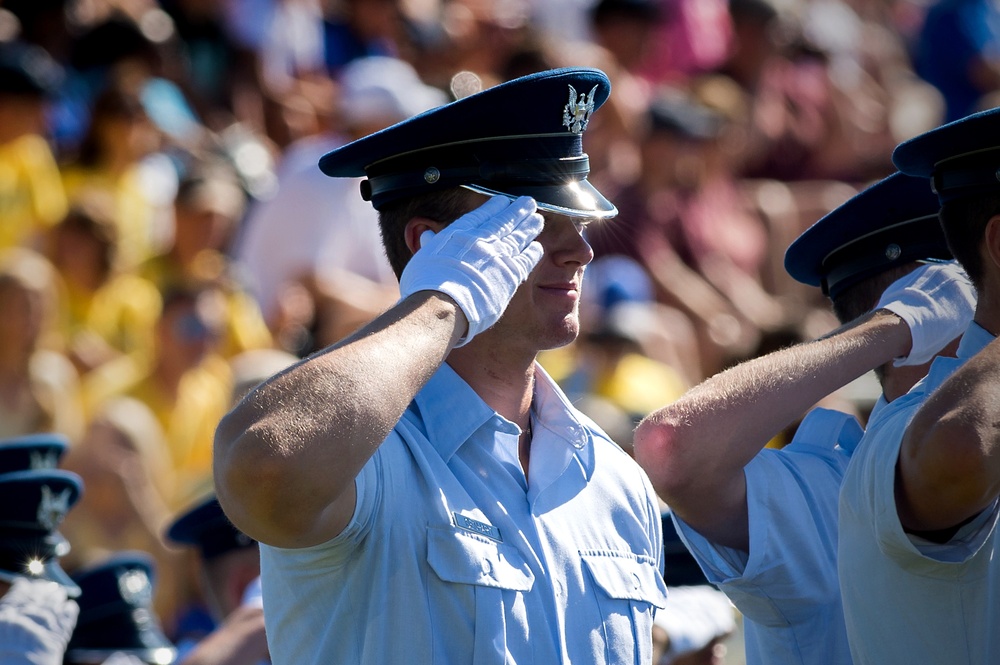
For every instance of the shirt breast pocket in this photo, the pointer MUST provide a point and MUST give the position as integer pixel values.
(477, 593)
(628, 588)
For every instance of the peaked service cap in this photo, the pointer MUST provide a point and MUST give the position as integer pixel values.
(891, 223)
(116, 613)
(960, 158)
(32, 506)
(32, 452)
(519, 138)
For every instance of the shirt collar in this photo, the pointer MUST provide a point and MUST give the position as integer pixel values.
(973, 341)
(554, 412)
(452, 412)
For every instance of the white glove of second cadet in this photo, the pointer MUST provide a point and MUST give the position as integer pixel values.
(36, 621)
(479, 259)
(937, 302)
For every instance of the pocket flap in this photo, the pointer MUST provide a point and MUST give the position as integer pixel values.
(626, 577)
(466, 558)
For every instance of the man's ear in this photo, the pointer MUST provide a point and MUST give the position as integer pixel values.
(992, 241)
(415, 228)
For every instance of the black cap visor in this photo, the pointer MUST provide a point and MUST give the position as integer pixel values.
(573, 199)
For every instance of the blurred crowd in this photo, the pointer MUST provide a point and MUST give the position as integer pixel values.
(166, 240)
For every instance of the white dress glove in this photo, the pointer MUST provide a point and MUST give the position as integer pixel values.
(36, 622)
(478, 260)
(937, 302)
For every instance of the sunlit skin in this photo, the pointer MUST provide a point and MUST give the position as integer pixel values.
(545, 311)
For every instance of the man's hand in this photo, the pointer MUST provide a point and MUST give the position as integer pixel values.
(36, 622)
(937, 302)
(479, 260)
(240, 640)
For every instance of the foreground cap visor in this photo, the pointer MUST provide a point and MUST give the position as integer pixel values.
(43, 570)
(574, 199)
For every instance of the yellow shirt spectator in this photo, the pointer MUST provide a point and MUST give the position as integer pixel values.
(31, 191)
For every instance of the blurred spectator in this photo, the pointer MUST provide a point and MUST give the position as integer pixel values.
(229, 563)
(117, 623)
(670, 220)
(187, 387)
(126, 468)
(39, 387)
(690, 629)
(958, 51)
(289, 41)
(216, 70)
(318, 232)
(562, 20)
(692, 37)
(360, 28)
(626, 28)
(110, 160)
(224, 623)
(31, 194)
(109, 313)
(207, 213)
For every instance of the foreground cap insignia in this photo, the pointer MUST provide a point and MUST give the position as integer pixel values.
(577, 112)
(53, 507)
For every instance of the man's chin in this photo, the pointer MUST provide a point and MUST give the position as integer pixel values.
(565, 334)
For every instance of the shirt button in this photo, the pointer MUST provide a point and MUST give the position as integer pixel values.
(636, 583)
(487, 568)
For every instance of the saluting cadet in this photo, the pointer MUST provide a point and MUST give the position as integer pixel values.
(422, 490)
(762, 522)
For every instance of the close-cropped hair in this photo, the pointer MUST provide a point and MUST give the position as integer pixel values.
(861, 298)
(964, 221)
(445, 207)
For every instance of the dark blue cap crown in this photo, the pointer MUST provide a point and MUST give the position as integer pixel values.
(116, 613)
(206, 527)
(960, 158)
(32, 452)
(32, 506)
(892, 222)
(520, 138)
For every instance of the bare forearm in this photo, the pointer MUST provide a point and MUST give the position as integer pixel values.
(701, 442)
(949, 465)
(288, 452)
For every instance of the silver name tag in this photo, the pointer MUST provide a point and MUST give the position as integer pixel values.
(475, 526)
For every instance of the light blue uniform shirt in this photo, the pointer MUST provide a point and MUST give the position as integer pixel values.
(907, 600)
(451, 557)
(786, 586)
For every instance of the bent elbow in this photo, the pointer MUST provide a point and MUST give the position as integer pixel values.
(660, 451)
(247, 476)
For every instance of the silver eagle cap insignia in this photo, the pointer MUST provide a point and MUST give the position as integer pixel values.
(577, 112)
(53, 507)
